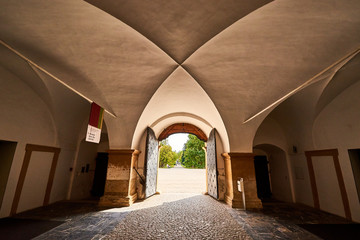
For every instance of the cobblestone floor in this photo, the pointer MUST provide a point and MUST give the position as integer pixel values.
(180, 216)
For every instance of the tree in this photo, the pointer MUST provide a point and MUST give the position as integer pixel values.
(167, 155)
(194, 154)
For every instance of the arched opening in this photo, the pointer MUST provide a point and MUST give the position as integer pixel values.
(182, 169)
(183, 128)
(148, 165)
(272, 173)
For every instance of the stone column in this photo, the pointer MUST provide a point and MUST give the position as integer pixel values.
(240, 165)
(120, 186)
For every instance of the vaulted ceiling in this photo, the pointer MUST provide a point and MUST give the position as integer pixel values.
(246, 55)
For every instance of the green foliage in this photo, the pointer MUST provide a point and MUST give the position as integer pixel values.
(167, 156)
(194, 155)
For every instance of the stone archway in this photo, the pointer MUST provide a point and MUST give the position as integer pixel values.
(210, 152)
(183, 128)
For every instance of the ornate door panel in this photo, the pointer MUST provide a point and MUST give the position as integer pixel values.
(212, 165)
(151, 164)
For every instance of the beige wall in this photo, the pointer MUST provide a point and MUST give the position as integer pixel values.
(337, 126)
(51, 116)
(26, 119)
(328, 186)
(83, 181)
(297, 123)
(280, 179)
(36, 179)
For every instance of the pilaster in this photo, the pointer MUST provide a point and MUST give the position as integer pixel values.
(120, 186)
(240, 165)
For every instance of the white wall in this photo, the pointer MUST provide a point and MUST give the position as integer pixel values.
(337, 126)
(25, 119)
(51, 116)
(328, 186)
(271, 132)
(295, 123)
(36, 179)
(83, 180)
(271, 138)
(301, 179)
(280, 179)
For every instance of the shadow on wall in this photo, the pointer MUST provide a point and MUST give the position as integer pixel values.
(91, 167)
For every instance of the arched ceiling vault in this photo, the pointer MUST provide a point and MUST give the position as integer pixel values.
(245, 55)
(179, 28)
(301, 110)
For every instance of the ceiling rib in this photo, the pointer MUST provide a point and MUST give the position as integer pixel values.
(51, 75)
(305, 84)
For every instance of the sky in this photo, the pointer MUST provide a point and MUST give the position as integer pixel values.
(176, 141)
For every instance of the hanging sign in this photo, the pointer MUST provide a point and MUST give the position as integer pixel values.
(95, 123)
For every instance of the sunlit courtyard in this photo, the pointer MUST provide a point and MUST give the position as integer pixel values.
(181, 180)
(184, 157)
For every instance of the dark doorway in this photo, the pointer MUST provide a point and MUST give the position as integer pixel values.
(7, 151)
(354, 155)
(262, 177)
(100, 174)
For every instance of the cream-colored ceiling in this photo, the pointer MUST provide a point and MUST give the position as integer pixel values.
(179, 28)
(244, 54)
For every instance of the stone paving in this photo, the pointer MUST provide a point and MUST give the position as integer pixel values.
(179, 212)
(83, 220)
(179, 216)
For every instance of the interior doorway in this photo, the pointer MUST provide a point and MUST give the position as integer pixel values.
(262, 177)
(272, 173)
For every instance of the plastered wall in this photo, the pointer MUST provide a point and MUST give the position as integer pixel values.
(32, 117)
(337, 126)
(26, 119)
(36, 179)
(82, 178)
(327, 183)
